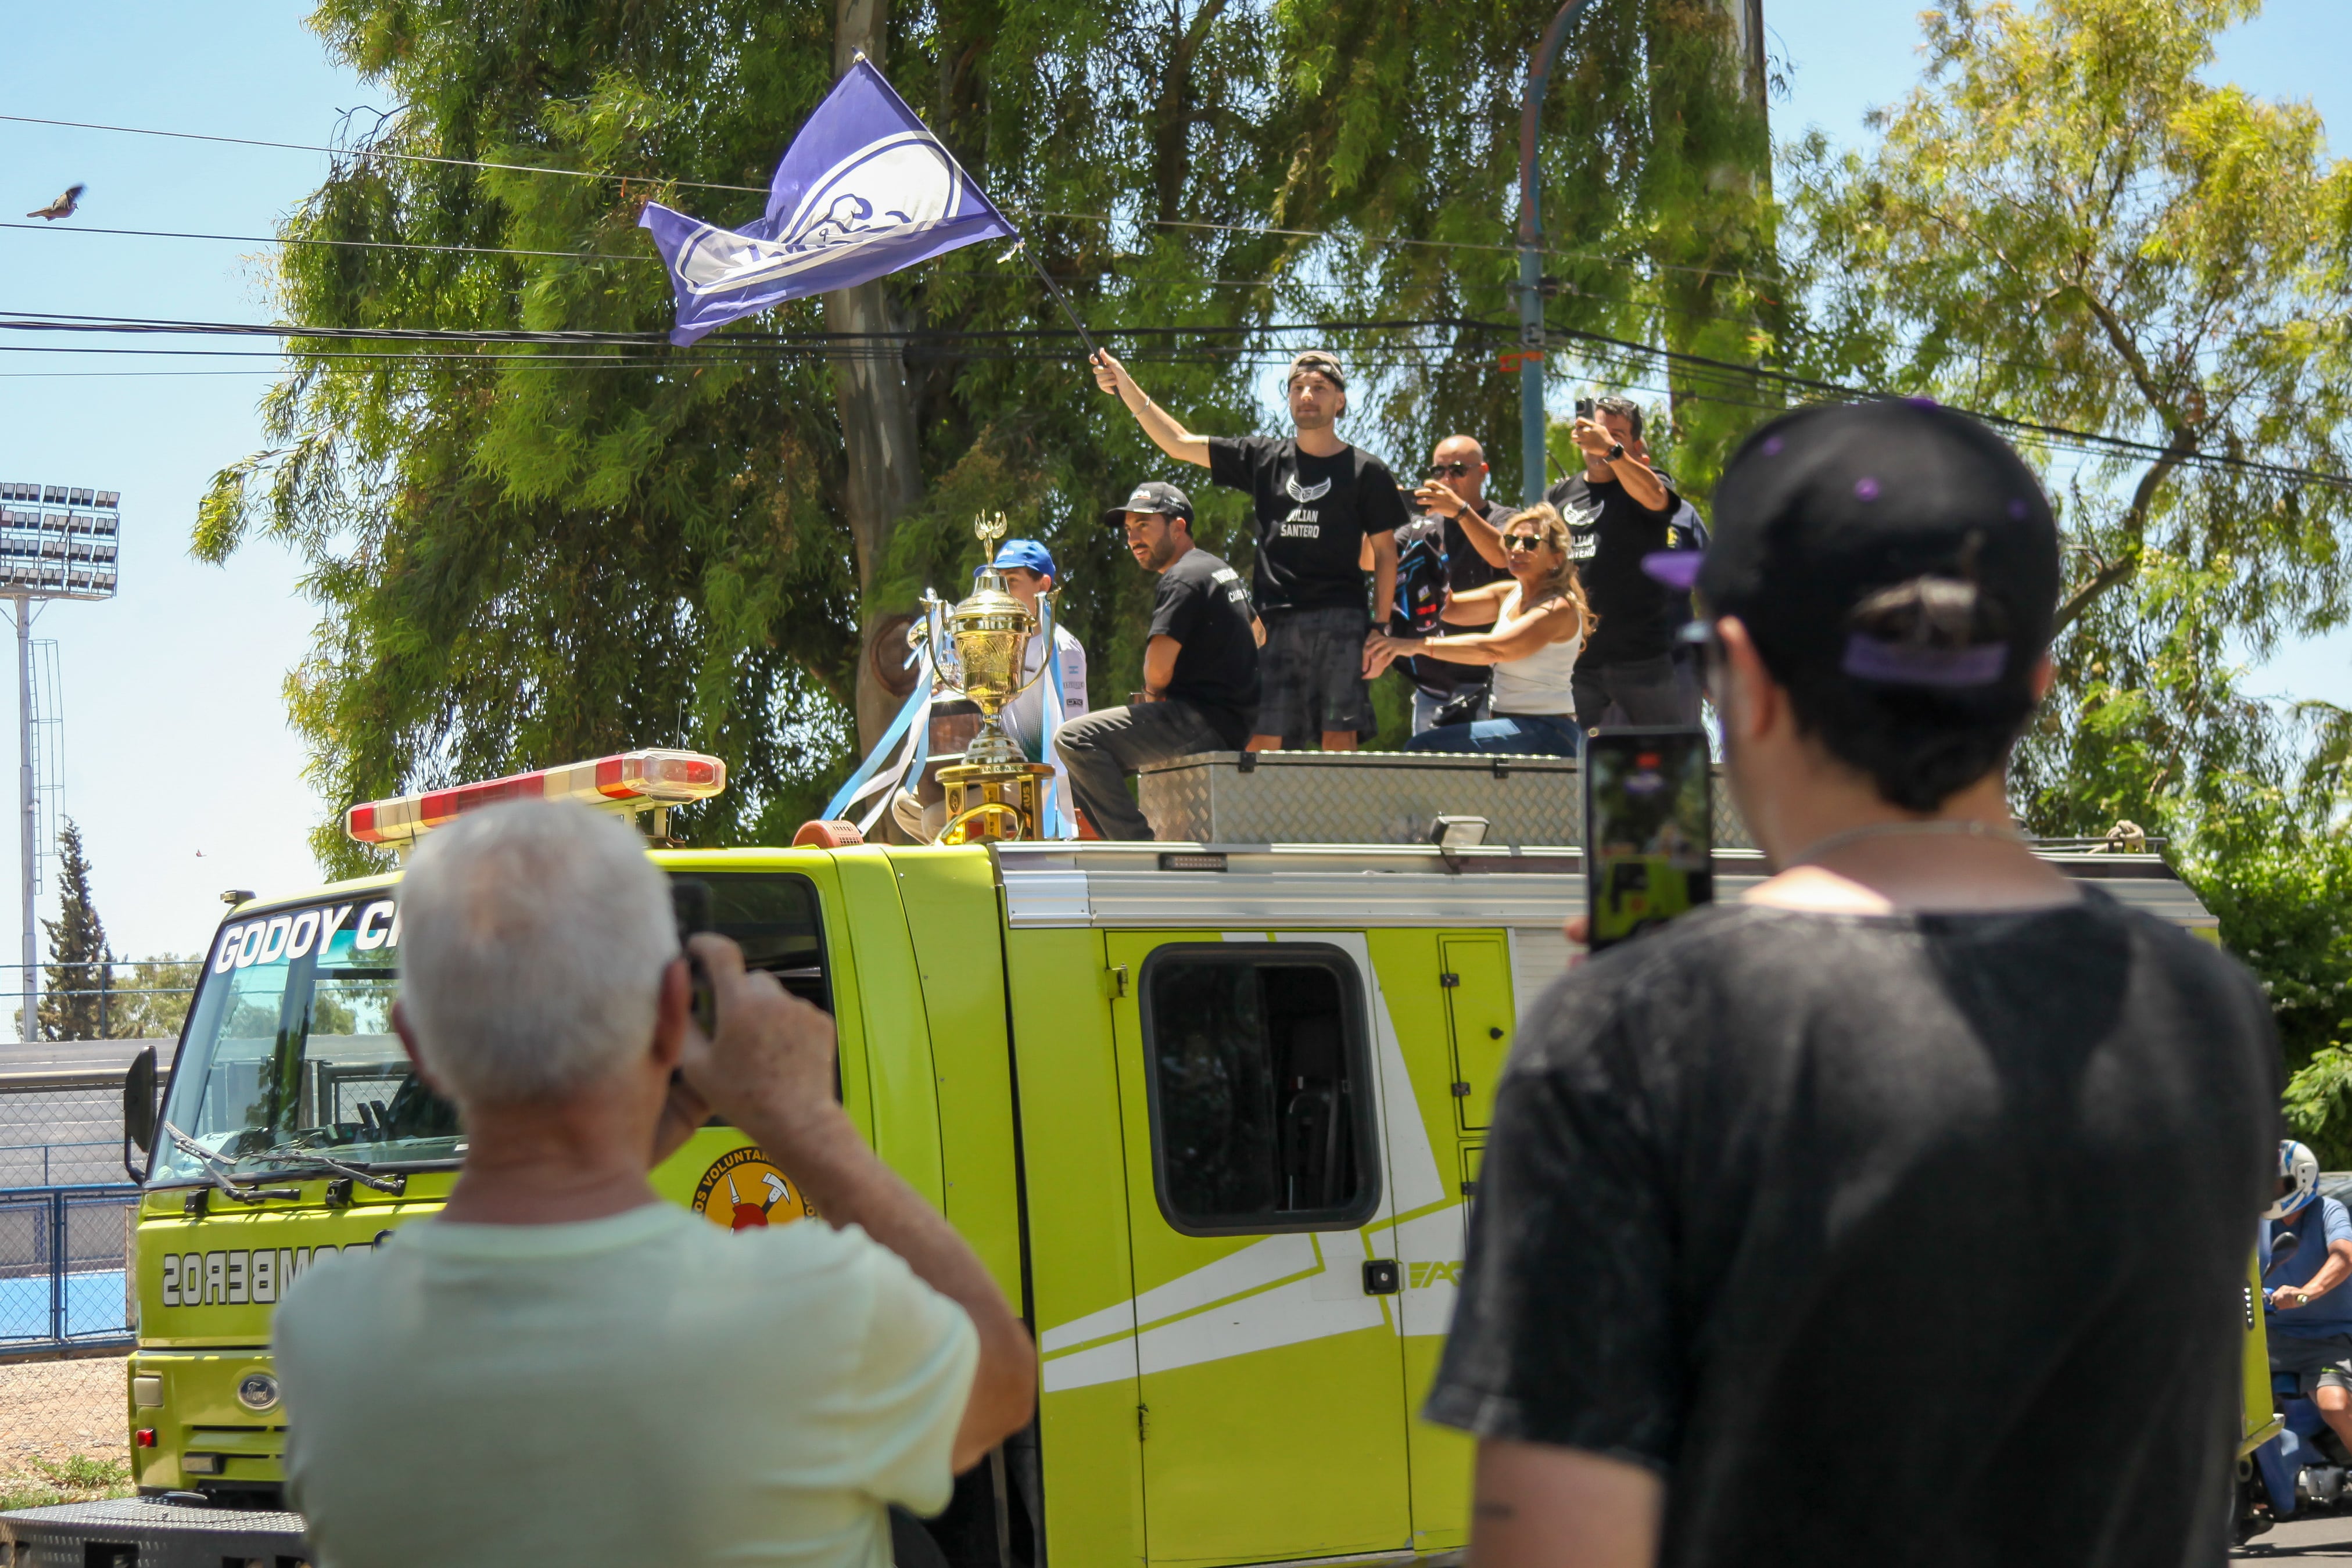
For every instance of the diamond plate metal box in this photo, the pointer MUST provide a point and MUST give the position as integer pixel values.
(1375, 798)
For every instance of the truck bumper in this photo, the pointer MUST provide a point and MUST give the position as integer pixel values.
(151, 1533)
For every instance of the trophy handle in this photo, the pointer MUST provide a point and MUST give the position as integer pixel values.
(1036, 627)
(961, 825)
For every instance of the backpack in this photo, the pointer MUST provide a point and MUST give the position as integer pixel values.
(1420, 578)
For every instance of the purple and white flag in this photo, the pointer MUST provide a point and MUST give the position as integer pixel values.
(864, 189)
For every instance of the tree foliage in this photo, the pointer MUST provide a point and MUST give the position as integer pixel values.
(2067, 224)
(75, 983)
(521, 554)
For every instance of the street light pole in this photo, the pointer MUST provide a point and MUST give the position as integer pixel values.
(27, 803)
(1531, 310)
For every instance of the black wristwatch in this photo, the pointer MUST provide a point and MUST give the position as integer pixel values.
(1616, 453)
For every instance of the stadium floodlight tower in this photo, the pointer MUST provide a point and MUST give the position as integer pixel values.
(56, 541)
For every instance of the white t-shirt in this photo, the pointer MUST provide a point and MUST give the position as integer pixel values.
(638, 1389)
(1024, 715)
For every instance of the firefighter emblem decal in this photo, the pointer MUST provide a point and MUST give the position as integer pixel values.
(743, 1189)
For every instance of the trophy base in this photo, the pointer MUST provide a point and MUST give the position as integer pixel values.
(1002, 801)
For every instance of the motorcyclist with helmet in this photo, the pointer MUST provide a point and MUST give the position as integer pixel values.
(2309, 1320)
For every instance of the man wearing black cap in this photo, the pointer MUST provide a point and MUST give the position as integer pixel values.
(1318, 499)
(1815, 1226)
(1200, 668)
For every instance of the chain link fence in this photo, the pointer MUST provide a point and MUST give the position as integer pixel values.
(66, 1328)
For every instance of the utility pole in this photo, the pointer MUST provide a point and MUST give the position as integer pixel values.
(28, 806)
(1531, 299)
(56, 541)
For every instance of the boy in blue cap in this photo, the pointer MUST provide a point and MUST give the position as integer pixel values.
(1029, 574)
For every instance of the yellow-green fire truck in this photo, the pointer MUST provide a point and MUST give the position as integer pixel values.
(1212, 1117)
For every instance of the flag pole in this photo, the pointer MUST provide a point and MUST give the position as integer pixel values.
(1059, 298)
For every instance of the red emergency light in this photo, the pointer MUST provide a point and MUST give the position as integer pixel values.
(633, 781)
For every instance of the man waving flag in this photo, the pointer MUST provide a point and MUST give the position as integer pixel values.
(864, 189)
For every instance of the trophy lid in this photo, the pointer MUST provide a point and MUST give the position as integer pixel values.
(989, 598)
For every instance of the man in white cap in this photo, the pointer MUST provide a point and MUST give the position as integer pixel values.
(1317, 500)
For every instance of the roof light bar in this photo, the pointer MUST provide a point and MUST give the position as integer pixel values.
(633, 781)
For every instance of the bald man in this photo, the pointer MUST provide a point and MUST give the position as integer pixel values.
(1453, 487)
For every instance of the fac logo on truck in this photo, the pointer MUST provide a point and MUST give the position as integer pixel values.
(741, 1189)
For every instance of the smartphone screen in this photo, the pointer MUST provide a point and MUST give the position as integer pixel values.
(1649, 837)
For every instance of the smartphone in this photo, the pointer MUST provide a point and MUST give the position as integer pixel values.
(1649, 829)
(1584, 408)
(689, 901)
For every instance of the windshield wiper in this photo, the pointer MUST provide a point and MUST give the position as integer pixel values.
(221, 1175)
(298, 1154)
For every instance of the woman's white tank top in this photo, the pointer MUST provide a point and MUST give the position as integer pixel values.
(1538, 683)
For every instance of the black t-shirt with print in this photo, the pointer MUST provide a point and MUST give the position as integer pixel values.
(1201, 602)
(1312, 515)
(1611, 533)
(1466, 569)
(1845, 1226)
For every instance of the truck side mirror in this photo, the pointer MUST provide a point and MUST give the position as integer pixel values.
(139, 1106)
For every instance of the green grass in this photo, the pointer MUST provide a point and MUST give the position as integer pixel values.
(76, 1480)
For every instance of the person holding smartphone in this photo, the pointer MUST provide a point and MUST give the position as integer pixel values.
(1619, 509)
(1541, 622)
(1814, 1226)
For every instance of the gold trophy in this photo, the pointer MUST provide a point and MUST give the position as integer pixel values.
(979, 647)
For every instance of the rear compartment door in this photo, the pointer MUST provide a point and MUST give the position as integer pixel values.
(1271, 1399)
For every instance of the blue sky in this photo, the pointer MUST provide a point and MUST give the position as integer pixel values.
(178, 761)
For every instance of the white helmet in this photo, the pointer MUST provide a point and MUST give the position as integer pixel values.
(2300, 1169)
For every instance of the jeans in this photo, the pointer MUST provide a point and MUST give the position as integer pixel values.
(1646, 691)
(1424, 708)
(1103, 748)
(1529, 735)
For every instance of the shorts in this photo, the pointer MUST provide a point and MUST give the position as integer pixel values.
(2317, 1364)
(1311, 673)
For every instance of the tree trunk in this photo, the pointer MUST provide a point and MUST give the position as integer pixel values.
(878, 420)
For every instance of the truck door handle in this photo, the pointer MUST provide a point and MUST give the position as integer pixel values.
(1381, 1277)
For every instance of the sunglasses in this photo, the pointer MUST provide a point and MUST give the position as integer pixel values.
(1522, 542)
(1446, 470)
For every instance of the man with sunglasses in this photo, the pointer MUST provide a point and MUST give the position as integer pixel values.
(1453, 497)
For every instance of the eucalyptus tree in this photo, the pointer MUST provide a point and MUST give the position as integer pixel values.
(522, 552)
(2067, 224)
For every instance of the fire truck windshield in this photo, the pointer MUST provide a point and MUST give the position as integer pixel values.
(290, 1053)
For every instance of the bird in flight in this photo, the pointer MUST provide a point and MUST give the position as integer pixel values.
(63, 207)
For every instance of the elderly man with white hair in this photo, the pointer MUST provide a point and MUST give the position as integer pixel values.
(560, 1367)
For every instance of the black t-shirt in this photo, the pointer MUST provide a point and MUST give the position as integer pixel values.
(1466, 569)
(1312, 515)
(1612, 532)
(1905, 1240)
(1202, 604)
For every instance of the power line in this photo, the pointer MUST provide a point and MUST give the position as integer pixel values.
(374, 152)
(1108, 218)
(21, 322)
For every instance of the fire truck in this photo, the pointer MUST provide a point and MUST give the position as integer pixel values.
(1211, 1112)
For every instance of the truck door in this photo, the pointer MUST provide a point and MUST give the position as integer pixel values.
(1272, 1409)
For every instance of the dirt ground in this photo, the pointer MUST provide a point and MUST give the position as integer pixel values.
(57, 1410)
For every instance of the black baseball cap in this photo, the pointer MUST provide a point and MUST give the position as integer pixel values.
(1152, 495)
(1823, 507)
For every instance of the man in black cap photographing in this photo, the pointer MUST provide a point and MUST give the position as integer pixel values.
(1200, 667)
(1318, 501)
(1898, 1212)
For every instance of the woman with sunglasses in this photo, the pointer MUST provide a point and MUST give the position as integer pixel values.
(1541, 623)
